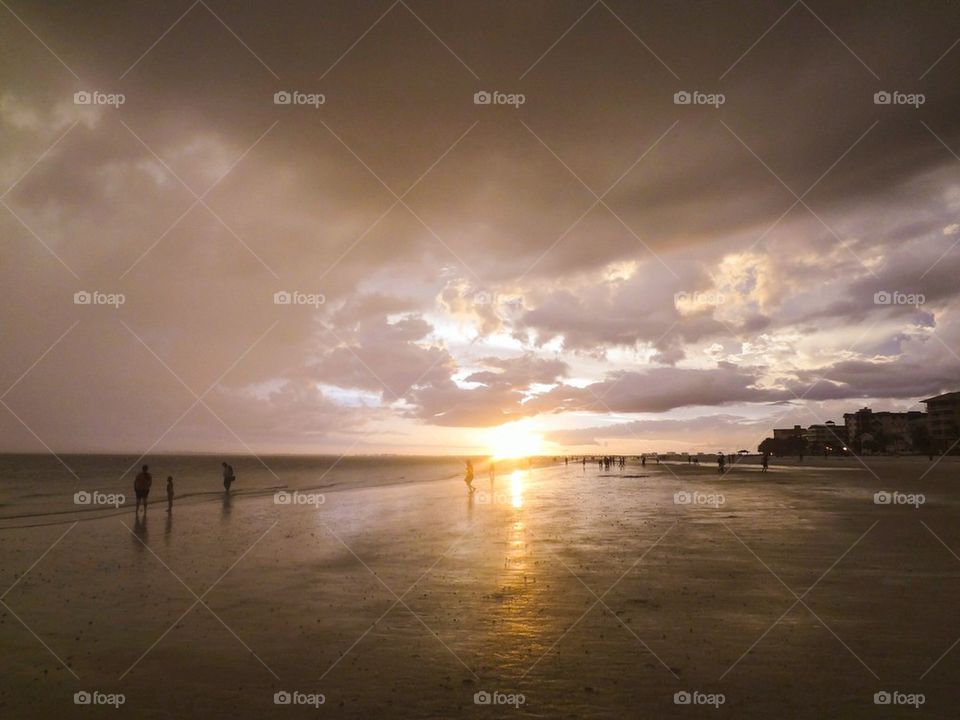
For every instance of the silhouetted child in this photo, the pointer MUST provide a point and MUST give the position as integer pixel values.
(169, 493)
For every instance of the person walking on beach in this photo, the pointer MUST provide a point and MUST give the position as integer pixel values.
(721, 461)
(468, 478)
(141, 488)
(228, 476)
(169, 493)
(766, 462)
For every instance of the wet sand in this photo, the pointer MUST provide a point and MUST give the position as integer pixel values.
(591, 593)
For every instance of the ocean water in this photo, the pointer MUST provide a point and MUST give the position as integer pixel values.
(40, 489)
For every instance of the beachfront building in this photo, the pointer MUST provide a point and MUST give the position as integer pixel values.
(825, 438)
(944, 421)
(787, 433)
(869, 431)
(785, 441)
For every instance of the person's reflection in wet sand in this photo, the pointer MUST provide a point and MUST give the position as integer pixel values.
(227, 506)
(140, 530)
(168, 528)
(470, 505)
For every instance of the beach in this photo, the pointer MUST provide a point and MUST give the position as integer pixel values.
(560, 591)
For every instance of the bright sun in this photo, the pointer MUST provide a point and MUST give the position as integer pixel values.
(514, 440)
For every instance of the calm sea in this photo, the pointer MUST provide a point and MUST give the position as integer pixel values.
(40, 490)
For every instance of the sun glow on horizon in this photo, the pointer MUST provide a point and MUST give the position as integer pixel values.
(514, 440)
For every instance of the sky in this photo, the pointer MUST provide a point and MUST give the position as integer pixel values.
(674, 225)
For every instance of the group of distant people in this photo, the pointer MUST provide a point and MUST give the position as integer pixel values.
(603, 462)
(143, 482)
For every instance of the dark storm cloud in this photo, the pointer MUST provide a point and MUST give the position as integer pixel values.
(661, 389)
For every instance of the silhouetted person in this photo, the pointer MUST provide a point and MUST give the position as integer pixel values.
(228, 476)
(721, 462)
(468, 478)
(169, 493)
(141, 488)
(766, 461)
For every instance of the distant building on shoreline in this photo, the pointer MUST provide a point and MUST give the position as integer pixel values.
(897, 432)
(825, 438)
(943, 413)
(866, 431)
(787, 433)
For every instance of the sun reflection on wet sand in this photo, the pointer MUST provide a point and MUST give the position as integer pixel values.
(516, 488)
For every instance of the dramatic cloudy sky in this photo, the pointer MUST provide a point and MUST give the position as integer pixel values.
(612, 269)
